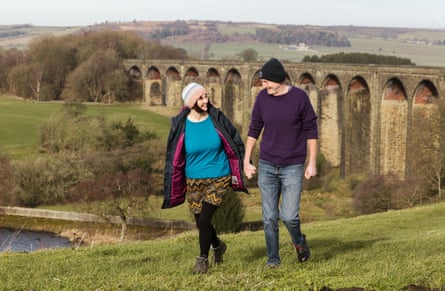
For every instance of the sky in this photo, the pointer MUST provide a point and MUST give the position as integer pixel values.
(386, 13)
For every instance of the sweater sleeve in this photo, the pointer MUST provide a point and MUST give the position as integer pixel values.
(256, 121)
(310, 128)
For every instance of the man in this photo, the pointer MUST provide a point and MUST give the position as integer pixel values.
(288, 124)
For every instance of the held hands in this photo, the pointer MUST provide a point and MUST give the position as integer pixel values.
(249, 170)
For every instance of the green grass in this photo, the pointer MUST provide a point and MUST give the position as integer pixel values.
(421, 55)
(20, 122)
(382, 252)
(385, 251)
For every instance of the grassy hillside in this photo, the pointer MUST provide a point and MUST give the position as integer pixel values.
(385, 251)
(25, 33)
(421, 55)
(20, 121)
(419, 45)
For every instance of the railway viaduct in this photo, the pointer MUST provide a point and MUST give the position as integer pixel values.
(372, 119)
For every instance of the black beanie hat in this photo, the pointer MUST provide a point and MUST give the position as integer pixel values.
(273, 71)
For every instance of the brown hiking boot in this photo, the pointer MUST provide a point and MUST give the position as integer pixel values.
(201, 265)
(219, 252)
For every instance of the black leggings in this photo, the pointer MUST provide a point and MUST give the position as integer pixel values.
(207, 234)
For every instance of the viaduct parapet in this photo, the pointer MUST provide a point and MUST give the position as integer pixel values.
(371, 117)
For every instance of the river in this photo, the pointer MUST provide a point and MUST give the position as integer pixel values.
(12, 240)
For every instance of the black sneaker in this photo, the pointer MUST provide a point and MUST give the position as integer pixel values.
(303, 251)
(201, 265)
(219, 252)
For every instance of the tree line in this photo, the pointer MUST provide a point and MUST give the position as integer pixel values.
(294, 36)
(283, 34)
(357, 58)
(82, 67)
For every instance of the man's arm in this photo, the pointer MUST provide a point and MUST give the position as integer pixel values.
(311, 168)
(249, 169)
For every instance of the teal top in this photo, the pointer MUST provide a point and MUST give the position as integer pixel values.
(204, 153)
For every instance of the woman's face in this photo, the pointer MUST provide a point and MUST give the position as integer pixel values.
(201, 103)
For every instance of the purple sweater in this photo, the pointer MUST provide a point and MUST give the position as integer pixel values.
(288, 121)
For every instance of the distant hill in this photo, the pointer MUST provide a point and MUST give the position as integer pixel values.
(217, 31)
(225, 40)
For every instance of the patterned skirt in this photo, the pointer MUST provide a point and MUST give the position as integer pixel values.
(209, 190)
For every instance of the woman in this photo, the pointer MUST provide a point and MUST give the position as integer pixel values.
(204, 158)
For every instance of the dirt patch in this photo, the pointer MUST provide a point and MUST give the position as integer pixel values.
(406, 288)
(107, 234)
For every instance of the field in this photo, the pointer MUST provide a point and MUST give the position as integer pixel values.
(386, 251)
(20, 121)
(31, 32)
(421, 55)
(412, 44)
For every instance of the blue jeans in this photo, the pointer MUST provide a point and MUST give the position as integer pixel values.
(275, 181)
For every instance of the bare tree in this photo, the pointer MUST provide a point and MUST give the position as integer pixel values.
(98, 79)
(249, 55)
(426, 157)
(118, 194)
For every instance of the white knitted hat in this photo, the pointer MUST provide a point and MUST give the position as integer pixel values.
(191, 93)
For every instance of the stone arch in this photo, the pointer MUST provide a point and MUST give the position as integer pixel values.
(233, 97)
(153, 82)
(329, 112)
(394, 90)
(256, 81)
(191, 75)
(425, 93)
(393, 128)
(307, 83)
(135, 84)
(213, 85)
(255, 88)
(135, 73)
(355, 127)
(424, 142)
(172, 74)
(172, 87)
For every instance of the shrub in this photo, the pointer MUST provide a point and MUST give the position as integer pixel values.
(374, 194)
(116, 190)
(6, 181)
(74, 109)
(105, 165)
(60, 133)
(44, 180)
(230, 214)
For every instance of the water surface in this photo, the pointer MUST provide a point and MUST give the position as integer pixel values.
(12, 240)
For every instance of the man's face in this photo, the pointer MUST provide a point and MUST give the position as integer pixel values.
(273, 88)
